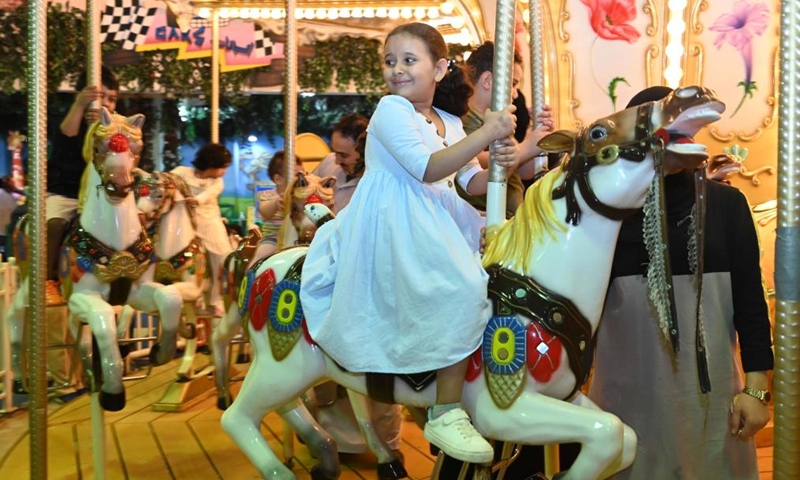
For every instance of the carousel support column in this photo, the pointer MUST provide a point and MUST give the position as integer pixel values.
(215, 76)
(501, 98)
(551, 459)
(290, 89)
(93, 75)
(786, 456)
(37, 128)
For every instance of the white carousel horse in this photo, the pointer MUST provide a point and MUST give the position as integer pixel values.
(549, 267)
(180, 259)
(310, 199)
(107, 255)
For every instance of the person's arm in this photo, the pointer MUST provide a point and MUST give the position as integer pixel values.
(508, 152)
(750, 318)
(270, 204)
(529, 147)
(497, 125)
(71, 124)
(212, 193)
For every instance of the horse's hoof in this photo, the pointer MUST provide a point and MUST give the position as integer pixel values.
(18, 388)
(318, 473)
(188, 331)
(112, 402)
(392, 470)
(223, 403)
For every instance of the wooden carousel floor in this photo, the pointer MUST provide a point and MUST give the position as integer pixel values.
(145, 444)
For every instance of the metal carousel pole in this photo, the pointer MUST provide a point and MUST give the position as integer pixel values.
(290, 92)
(93, 77)
(786, 452)
(37, 168)
(501, 98)
(215, 75)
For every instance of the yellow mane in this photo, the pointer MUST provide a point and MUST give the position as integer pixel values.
(510, 244)
(98, 132)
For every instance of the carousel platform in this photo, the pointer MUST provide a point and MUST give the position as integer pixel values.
(146, 444)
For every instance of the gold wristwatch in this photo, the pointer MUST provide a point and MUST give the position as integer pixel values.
(763, 395)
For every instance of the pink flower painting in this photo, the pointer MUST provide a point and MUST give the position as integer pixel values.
(738, 29)
(610, 20)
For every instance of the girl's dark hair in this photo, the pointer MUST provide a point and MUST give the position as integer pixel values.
(276, 164)
(453, 91)
(212, 155)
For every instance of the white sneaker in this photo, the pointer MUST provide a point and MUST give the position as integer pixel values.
(454, 434)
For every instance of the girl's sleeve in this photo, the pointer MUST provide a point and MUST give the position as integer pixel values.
(212, 193)
(394, 126)
(465, 173)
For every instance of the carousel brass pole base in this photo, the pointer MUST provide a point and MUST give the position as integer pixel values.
(183, 394)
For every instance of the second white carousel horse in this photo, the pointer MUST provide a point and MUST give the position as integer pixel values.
(549, 268)
(107, 254)
(179, 259)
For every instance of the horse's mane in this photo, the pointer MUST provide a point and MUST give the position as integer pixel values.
(510, 244)
(101, 133)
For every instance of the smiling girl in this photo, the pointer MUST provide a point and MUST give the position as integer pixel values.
(395, 284)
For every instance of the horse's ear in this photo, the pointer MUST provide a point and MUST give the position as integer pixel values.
(559, 141)
(105, 117)
(136, 121)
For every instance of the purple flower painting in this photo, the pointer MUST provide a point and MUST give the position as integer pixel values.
(738, 30)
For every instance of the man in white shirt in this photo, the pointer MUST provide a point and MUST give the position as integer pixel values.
(344, 163)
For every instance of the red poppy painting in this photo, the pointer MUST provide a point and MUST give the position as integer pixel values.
(611, 21)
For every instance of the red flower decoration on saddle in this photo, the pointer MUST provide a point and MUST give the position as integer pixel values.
(260, 297)
(543, 352)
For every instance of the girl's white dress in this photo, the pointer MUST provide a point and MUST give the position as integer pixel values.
(210, 227)
(395, 283)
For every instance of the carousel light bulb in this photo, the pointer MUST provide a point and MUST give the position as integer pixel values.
(419, 13)
(394, 13)
(369, 13)
(204, 13)
(357, 13)
(308, 13)
(299, 14)
(320, 14)
(406, 13)
(457, 22)
(447, 7)
(244, 13)
(433, 12)
(526, 16)
(381, 12)
(234, 13)
(278, 13)
(344, 13)
(252, 138)
(224, 13)
(333, 14)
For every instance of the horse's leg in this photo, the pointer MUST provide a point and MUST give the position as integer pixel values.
(190, 334)
(167, 300)
(319, 442)
(90, 308)
(629, 439)
(535, 419)
(269, 385)
(389, 466)
(15, 323)
(227, 327)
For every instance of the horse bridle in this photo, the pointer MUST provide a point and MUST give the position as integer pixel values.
(578, 167)
(118, 143)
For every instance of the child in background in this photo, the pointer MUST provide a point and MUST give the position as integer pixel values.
(205, 181)
(395, 283)
(270, 204)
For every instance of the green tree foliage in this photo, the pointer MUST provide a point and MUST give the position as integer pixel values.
(342, 62)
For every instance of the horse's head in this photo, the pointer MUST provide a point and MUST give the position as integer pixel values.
(113, 145)
(157, 193)
(654, 136)
(306, 189)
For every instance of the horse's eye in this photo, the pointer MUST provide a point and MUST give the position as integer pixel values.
(597, 133)
(329, 183)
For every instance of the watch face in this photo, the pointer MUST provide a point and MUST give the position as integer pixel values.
(767, 396)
